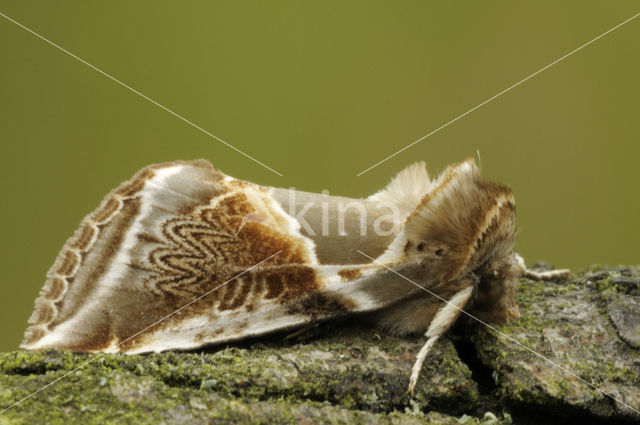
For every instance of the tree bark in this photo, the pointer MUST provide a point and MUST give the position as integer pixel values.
(349, 372)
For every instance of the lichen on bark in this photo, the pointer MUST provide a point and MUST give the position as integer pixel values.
(352, 373)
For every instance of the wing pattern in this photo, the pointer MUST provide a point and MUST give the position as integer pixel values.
(172, 233)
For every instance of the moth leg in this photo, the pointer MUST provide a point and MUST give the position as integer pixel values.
(417, 366)
(301, 331)
(548, 275)
(444, 318)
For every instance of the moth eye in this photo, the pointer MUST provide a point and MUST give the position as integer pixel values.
(420, 247)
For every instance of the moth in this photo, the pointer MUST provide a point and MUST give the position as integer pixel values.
(413, 255)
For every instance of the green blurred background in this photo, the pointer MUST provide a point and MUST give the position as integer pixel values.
(319, 92)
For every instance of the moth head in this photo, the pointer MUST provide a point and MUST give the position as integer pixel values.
(495, 295)
(465, 226)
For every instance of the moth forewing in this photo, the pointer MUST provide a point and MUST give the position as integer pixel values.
(140, 263)
(339, 226)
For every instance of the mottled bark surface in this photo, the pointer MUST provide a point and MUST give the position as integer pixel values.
(348, 372)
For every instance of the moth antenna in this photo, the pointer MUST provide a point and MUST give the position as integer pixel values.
(479, 159)
(548, 275)
(444, 318)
